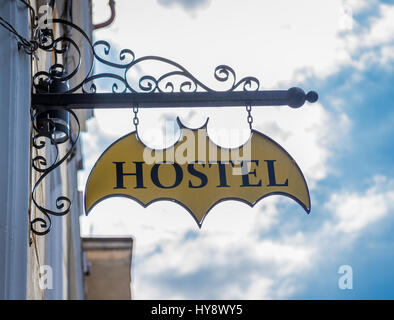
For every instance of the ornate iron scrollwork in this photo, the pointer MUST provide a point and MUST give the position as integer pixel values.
(147, 83)
(40, 164)
(163, 83)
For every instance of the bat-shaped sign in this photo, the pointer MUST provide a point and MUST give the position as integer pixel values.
(196, 173)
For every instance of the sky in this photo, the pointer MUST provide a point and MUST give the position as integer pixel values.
(344, 145)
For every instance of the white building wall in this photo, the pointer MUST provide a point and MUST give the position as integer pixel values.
(61, 250)
(14, 154)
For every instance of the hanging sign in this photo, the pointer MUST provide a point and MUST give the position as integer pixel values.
(196, 173)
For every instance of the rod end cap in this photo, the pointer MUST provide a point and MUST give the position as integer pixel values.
(312, 96)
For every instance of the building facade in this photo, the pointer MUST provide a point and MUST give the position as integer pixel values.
(38, 266)
(108, 272)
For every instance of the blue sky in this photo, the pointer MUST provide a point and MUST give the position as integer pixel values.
(344, 144)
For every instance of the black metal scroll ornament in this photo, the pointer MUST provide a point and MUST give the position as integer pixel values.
(163, 83)
(45, 127)
(40, 164)
(147, 83)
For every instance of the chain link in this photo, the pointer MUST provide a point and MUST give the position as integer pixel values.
(249, 118)
(136, 121)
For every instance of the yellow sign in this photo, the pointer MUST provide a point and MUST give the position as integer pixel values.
(196, 173)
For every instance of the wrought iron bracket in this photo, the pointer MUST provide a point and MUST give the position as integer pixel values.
(294, 97)
(46, 130)
(130, 84)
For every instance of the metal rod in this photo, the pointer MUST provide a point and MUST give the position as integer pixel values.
(294, 97)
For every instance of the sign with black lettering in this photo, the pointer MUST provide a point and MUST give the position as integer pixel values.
(196, 173)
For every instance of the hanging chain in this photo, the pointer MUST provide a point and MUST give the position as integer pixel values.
(249, 118)
(136, 121)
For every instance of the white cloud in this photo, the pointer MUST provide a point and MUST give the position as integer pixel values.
(386, 55)
(382, 28)
(270, 40)
(354, 211)
(359, 5)
(189, 5)
(372, 44)
(258, 288)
